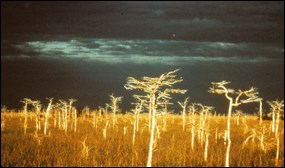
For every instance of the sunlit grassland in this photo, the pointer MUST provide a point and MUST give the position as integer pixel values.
(172, 147)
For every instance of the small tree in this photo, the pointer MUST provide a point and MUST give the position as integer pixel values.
(277, 107)
(47, 115)
(71, 115)
(26, 101)
(37, 107)
(114, 106)
(192, 110)
(237, 114)
(157, 89)
(202, 124)
(137, 111)
(183, 106)
(138, 108)
(63, 108)
(250, 96)
(260, 111)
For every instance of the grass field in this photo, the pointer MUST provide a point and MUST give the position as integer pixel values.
(103, 144)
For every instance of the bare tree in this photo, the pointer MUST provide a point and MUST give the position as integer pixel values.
(157, 89)
(237, 114)
(71, 115)
(183, 106)
(192, 110)
(114, 106)
(248, 95)
(47, 114)
(277, 107)
(37, 107)
(138, 108)
(260, 111)
(26, 101)
(63, 108)
(202, 124)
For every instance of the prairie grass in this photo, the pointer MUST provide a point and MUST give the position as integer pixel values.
(172, 147)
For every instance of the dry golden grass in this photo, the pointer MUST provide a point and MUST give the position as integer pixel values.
(173, 148)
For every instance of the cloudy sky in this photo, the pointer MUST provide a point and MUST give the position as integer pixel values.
(86, 50)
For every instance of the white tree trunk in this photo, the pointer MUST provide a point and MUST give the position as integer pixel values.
(135, 130)
(114, 112)
(149, 115)
(46, 117)
(26, 118)
(37, 121)
(277, 122)
(65, 124)
(206, 148)
(229, 133)
(273, 121)
(193, 131)
(228, 153)
(260, 112)
(184, 119)
(75, 120)
(46, 123)
(277, 151)
(152, 134)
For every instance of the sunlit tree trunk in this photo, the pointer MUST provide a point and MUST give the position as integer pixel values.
(277, 107)
(277, 151)
(153, 124)
(114, 107)
(183, 106)
(47, 115)
(273, 121)
(26, 101)
(206, 148)
(66, 119)
(134, 132)
(229, 132)
(193, 129)
(36, 104)
(149, 115)
(277, 122)
(59, 119)
(75, 120)
(260, 112)
(26, 118)
(95, 119)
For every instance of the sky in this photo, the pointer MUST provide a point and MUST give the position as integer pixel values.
(86, 50)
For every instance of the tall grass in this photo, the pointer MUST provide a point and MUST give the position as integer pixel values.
(88, 146)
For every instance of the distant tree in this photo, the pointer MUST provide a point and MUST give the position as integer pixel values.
(37, 107)
(157, 89)
(138, 108)
(3, 108)
(26, 102)
(47, 114)
(260, 111)
(63, 107)
(71, 101)
(114, 106)
(183, 106)
(277, 108)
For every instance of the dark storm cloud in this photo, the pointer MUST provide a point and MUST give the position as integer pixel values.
(150, 51)
(200, 30)
(221, 21)
(198, 21)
